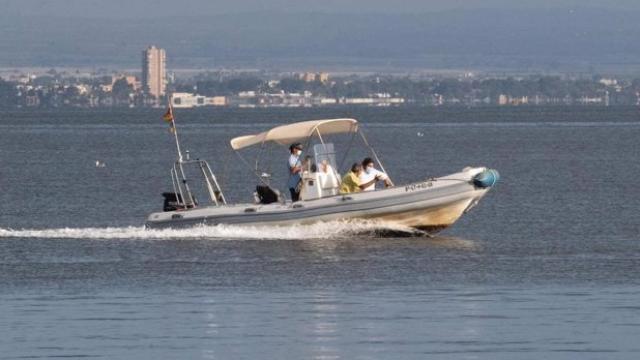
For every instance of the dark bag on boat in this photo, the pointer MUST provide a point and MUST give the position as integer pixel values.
(172, 201)
(266, 194)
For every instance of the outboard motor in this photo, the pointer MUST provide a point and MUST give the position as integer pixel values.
(172, 201)
(486, 179)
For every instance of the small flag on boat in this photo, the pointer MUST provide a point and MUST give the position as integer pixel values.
(168, 116)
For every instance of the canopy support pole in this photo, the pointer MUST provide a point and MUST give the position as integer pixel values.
(373, 152)
(320, 136)
(255, 172)
(344, 157)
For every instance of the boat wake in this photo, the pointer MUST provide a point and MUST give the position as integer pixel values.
(327, 230)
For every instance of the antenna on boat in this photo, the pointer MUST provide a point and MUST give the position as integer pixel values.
(183, 194)
(168, 116)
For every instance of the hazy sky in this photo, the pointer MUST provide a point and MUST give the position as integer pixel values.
(485, 34)
(138, 8)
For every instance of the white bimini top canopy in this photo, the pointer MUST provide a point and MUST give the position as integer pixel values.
(287, 134)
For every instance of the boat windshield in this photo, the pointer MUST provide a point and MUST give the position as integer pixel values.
(325, 154)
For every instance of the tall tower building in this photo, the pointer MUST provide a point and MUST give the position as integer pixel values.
(154, 73)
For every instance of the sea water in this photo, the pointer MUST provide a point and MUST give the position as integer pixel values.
(546, 266)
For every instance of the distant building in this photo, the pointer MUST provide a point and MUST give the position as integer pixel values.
(608, 82)
(322, 77)
(154, 73)
(523, 100)
(373, 101)
(83, 89)
(311, 77)
(328, 101)
(106, 88)
(508, 100)
(586, 100)
(187, 100)
(435, 99)
(130, 79)
(32, 100)
(308, 77)
(247, 94)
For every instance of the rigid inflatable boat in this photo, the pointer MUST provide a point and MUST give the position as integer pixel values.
(428, 204)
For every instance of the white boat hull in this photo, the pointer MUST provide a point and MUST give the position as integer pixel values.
(429, 205)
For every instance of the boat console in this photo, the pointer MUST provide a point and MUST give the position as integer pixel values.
(320, 179)
(316, 185)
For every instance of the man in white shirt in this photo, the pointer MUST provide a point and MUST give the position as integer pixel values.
(370, 173)
(295, 170)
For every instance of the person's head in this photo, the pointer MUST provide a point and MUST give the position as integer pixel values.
(296, 148)
(356, 168)
(367, 164)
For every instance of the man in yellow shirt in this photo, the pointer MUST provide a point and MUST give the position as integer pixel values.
(351, 181)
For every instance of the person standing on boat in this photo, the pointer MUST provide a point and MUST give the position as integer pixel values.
(351, 181)
(295, 170)
(370, 174)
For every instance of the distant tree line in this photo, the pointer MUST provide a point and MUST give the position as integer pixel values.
(53, 91)
(623, 92)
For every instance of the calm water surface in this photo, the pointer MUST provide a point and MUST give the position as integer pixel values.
(546, 267)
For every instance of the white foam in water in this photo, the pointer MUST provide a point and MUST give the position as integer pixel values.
(325, 230)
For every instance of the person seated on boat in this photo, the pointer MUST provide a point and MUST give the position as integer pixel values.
(295, 170)
(369, 173)
(351, 181)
